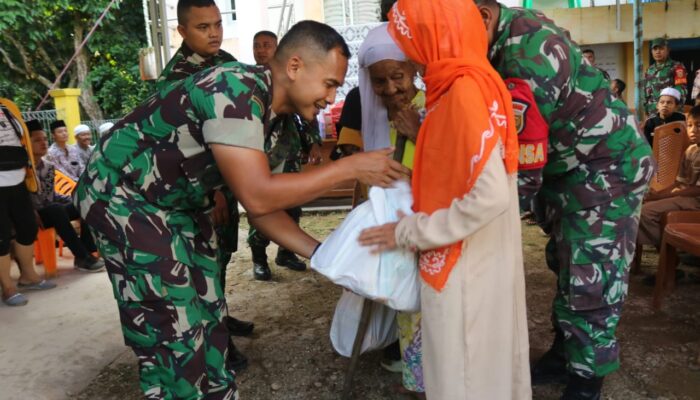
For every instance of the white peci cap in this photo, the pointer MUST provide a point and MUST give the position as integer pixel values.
(105, 127)
(80, 129)
(669, 91)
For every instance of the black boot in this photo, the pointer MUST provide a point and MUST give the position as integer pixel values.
(580, 388)
(551, 367)
(286, 258)
(236, 327)
(261, 271)
(236, 360)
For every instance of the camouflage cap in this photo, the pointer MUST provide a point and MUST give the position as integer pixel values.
(658, 42)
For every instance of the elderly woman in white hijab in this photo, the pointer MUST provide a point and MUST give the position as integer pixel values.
(392, 107)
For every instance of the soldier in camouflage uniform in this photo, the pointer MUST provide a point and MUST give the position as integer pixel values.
(193, 15)
(597, 170)
(662, 74)
(145, 195)
(199, 24)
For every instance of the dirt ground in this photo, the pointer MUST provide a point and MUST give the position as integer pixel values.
(291, 355)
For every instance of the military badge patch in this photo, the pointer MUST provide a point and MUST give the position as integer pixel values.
(520, 112)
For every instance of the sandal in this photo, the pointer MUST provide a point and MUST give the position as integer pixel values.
(16, 300)
(41, 285)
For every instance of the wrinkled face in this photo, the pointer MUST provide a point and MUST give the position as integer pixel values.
(314, 82)
(60, 135)
(392, 81)
(693, 129)
(666, 106)
(84, 140)
(590, 57)
(660, 53)
(40, 144)
(264, 47)
(202, 31)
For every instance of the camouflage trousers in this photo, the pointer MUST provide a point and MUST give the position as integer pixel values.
(171, 316)
(257, 239)
(590, 251)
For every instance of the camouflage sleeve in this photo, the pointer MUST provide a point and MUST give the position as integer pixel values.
(529, 183)
(547, 61)
(232, 108)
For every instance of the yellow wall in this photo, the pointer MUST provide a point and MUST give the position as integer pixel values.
(595, 25)
(598, 25)
(67, 109)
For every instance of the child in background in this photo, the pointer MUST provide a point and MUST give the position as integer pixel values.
(665, 112)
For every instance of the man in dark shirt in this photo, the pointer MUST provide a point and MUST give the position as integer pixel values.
(665, 112)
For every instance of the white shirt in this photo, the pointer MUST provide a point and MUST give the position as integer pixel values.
(8, 137)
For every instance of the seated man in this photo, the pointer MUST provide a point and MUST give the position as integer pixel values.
(666, 112)
(83, 143)
(56, 211)
(683, 195)
(64, 158)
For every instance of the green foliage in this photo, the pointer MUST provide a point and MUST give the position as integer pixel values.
(49, 27)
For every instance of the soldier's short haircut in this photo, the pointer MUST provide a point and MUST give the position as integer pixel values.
(489, 3)
(313, 35)
(588, 51)
(694, 113)
(183, 8)
(265, 33)
(385, 8)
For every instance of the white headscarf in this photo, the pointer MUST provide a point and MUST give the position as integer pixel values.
(378, 46)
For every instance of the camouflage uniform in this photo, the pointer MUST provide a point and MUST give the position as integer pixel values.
(286, 140)
(598, 167)
(662, 75)
(145, 194)
(185, 63)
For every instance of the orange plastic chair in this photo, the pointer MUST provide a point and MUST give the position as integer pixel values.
(62, 184)
(670, 142)
(45, 250)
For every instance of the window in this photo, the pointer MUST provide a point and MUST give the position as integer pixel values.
(351, 12)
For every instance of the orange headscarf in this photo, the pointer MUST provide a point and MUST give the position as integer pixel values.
(469, 110)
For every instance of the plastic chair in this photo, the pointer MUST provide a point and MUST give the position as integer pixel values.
(681, 232)
(670, 142)
(62, 184)
(45, 250)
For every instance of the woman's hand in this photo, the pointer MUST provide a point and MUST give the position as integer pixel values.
(219, 214)
(381, 238)
(407, 122)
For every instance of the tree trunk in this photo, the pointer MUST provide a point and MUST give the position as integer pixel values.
(87, 96)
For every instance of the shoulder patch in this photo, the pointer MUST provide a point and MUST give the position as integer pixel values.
(520, 111)
(680, 77)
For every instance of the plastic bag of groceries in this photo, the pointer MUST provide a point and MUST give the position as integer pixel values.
(381, 331)
(389, 278)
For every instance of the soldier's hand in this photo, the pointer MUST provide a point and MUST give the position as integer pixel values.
(376, 168)
(219, 214)
(407, 122)
(315, 156)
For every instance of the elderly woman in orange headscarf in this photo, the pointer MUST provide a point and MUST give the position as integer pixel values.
(466, 226)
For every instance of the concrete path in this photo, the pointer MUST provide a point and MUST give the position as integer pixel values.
(54, 346)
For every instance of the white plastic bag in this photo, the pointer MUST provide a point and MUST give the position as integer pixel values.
(390, 278)
(381, 331)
